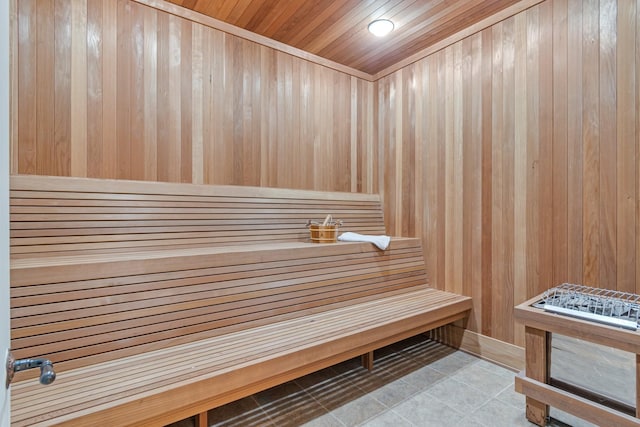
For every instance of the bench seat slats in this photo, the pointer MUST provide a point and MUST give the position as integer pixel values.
(210, 358)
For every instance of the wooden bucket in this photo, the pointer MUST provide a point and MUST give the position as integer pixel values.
(323, 233)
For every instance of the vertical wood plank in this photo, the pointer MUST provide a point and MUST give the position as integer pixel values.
(355, 153)
(545, 112)
(591, 144)
(486, 288)
(637, 70)
(110, 89)
(498, 207)
(44, 87)
(150, 131)
(95, 82)
(26, 139)
(79, 88)
(574, 141)
(13, 87)
(533, 151)
(560, 195)
(123, 90)
(608, 143)
(185, 136)
(508, 174)
(59, 161)
(197, 96)
(627, 141)
(137, 158)
(521, 168)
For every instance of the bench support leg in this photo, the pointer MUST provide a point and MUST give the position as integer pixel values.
(367, 361)
(202, 420)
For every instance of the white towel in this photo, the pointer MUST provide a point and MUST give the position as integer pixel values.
(380, 241)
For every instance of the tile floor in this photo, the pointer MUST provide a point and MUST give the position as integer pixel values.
(416, 382)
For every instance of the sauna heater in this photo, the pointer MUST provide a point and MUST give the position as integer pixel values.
(596, 372)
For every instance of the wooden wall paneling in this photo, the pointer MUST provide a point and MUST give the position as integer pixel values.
(590, 135)
(268, 133)
(110, 85)
(151, 95)
(574, 142)
(626, 201)
(521, 194)
(418, 195)
(441, 126)
(197, 106)
(173, 143)
(95, 97)
(60, 139)
(498, 208)
(186, 101)
(252, 51)
(284, 173)
(137, 96)
(133, 92)
(355, 147)
(13, 86)
(608, 143)
(44, 90)
(408, 152)
(545, 202)
(472, 169)
(546, 157)
(432, 251)
(637, 139)
(79, 91)
(235, 68)
(215, 150)
(559, 164)
(386, 116)
(448, 177)
(395, 163)
(26, 136)
(486, 288)
(508, 173)
(124, 64)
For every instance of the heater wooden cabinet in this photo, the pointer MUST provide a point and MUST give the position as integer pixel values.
(535, 382)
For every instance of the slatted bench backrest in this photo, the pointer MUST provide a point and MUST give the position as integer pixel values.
(59, 215)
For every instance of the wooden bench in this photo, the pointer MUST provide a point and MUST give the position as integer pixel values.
(148, 334)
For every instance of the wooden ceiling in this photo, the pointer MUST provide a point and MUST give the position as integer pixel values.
(337, 29)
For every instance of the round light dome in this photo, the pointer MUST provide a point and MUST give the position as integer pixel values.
(380, 27)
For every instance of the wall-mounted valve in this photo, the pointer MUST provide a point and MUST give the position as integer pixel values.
(47, 374)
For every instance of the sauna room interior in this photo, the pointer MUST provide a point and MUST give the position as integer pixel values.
(500, 138)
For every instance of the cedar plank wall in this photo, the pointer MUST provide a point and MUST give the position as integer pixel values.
(116, 89)
(514, 153)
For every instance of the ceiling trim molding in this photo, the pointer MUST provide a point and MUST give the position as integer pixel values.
(199, 18)
(454, 38)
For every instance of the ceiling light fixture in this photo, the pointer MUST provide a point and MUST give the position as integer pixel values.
(380, 27)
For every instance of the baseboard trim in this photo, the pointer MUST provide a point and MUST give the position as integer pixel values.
(507, 355)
